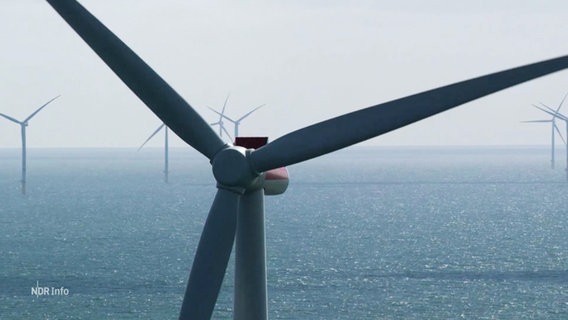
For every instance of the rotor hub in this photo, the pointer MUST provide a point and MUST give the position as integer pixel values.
(231, 168)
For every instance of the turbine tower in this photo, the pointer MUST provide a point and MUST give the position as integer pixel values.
(23, 124)
(244, 174)
(166, 147)
(220, 122)
(553, 128)
(237, 122)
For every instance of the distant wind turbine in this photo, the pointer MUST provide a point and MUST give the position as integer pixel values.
(553, 128)
(220, 122)
(238, 121)
(166, 156)
(559, 115)
(23, 125)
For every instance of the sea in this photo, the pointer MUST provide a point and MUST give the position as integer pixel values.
(363, 233)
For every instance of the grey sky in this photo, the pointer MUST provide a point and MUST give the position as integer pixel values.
(307, 60)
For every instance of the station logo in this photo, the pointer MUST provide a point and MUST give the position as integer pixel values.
(40, 291)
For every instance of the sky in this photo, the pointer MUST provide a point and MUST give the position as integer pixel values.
(306, 60)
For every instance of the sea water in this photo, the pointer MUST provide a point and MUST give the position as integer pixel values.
(364, 233)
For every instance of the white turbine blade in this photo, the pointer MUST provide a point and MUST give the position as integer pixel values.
(556, 114)
(348, 129)
(222, 115)
(533, 121)
(39, 109)
(142, 80)
(547, 107)
(553, 113)
(219, 122)
(225, 104)
(225, 130)
(153, 134)
(560, 134)
(10, 118)
(540, 108)
(250, 112)
(561, 102)
(211, 257)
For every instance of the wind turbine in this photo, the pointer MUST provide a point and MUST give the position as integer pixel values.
(553, 128)
(23, 124)
(166, 156)
(220, 122)
(237, 122)
(237, 213)
(559, 115)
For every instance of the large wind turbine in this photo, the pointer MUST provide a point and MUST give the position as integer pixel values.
(553, 128)
(23, 124)
(166, 156)
(237, 122)
(220, 122)
(237, 213)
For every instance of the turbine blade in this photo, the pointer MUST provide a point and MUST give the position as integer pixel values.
(10, 118)
(221, 115)
(559, 133)
(225, 104)
(211, 257)
(217, 112)
(351, 128)
(225, 130)
(549, 111)
(553, 113)
(250, 112)
(544, 110)
(167, 104)
(556, 113)
(546, 106)
(529, 121)
(561, 102)
(150, 137)
(39, 109)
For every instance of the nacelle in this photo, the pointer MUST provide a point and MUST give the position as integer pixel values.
(275, 180)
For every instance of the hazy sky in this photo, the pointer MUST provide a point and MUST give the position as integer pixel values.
(306, 60)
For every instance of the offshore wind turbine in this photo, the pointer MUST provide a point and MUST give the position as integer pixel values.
(559, 115)
(237, 213)
(166, 149)
(220, 122)
(23, 124)
(237, 122)
(553, 128)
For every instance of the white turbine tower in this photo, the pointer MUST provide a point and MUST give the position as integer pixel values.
(166, 155)
(220, 122)
(553, 128)
(237, 122)
(23, 124)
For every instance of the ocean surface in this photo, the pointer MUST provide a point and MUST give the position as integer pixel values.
(365, 233)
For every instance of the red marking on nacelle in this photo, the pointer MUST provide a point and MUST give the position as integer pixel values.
(277, 174)
(251, 142)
